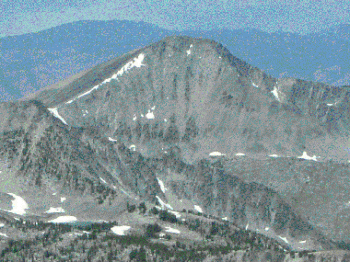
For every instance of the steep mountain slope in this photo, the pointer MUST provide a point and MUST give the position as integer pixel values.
(150, 126)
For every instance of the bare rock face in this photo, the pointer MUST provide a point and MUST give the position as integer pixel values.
(187, 112)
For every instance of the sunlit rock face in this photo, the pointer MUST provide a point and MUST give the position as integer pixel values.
(186, 112)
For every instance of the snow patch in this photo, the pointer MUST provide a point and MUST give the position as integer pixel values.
(274, 155)
(3, 234)
(132, 147)
(306, 157)
(55, 210)
(177, 214)
(240, 154)
(57, 115)
(150, 115)
(255, 85)
(104, 181)
(198, 208)
(188, 52)
(63, 199)
(120, 230)
(134, 118)
(142, 115)
(163, 204)
(216, 154)
(302, 242)
(19, 205)
(63, 219)
(54, 194)
(284, 239)
(136, 62)
(330, 104)
(161, 184)
(172, 230)
(112, 139)
(2, 225)
(267, 228)
(275, 93)
(225, 218)
(246, 227)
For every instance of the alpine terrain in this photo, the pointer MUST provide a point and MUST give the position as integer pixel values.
(176, 151)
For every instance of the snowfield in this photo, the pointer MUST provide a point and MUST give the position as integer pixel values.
(57, 115)
(163, 204)
(63, 219)
(198, 208)
(120, 230)
(172, 230)
(306, 157)
(19, 205)
(161, 184)
(55, 210)
(216, 154)
(284, 239)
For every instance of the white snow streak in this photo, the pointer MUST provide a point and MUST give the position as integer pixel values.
(275, 93)
(255, 85)
(161, 184)
(284, 239)
(112, 139)
(306, 157)
(273, 155)
(172, 230)
(19, 205)
(132, 147)
(246, 227)
(4, 235)
(134, 118)
(198, 208)
(55, 210)
(330, 104)
(216, 154)
(163, 204)
(240, 154)
(104, 181)
(120, 230)
(302, 242)
(63, 219)
(136, 62)
(57, 115)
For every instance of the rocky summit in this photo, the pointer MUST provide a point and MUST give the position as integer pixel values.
(183, 125)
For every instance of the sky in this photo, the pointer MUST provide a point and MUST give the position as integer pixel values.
(297, 16)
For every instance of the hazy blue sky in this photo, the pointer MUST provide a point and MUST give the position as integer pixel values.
(23, 16)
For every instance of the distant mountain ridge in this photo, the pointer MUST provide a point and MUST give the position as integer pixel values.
(32, 61)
